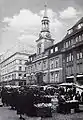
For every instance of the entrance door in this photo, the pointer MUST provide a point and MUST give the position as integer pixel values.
(39, 78)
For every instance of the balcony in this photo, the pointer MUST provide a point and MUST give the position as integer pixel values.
(72, 46)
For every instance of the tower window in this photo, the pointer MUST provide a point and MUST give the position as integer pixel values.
(51, 50)
(80, 54)
(39, 48)
(20, 68)
(56, 49)
(24, 75)
(20, 74)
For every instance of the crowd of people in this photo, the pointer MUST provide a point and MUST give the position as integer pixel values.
(69, 99)
(70, 94)
(23, 98)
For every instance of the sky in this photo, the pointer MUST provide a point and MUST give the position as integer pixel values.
(20, 20)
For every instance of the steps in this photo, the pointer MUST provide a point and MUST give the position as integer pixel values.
(1, 103)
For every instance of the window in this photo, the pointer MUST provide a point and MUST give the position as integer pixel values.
(51, 50)
(76, 39)
(3, 78)
(69, 56)
(52, 75)
(25, 68)
(24, 75)
(56, 75)
(31, 58)
(70, 31)
(78, 56)
(56, 63)
(35, 65)
(44, 74)
(23, 62)
(80, 38)
(66, 44)
(72, 57)
(51, 63)
(56, 49)
(17, 61)
(39, 48)
(69, 43)
(9, 76)
(19, 74)
(13, 76)
(20, 61)
(20, 68)
(31, 68)
(39, 63)
(44, 64)
(79, 26)
(72, 41)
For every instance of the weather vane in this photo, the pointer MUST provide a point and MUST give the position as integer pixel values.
(45, 13)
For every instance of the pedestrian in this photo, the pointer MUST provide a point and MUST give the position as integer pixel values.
(82, 97)
(77, 96)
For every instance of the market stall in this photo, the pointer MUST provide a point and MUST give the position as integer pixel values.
(68, 106)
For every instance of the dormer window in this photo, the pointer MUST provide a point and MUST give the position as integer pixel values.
(31, 58)
(51, 50)
(66, 44)
(80, 38)
(76, 39)
(80, 26)
(56, 49)
(39, 48)
(69, 42)
(70, 31)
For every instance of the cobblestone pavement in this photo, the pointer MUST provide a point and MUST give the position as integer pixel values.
(57, 116)
(7, 114)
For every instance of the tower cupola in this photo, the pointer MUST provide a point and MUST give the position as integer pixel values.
(45, 33)
(45, 39)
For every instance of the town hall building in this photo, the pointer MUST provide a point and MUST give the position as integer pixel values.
(45, 66)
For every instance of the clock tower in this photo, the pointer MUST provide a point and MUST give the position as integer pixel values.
(45, 39)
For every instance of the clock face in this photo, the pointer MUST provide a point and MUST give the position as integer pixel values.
(45, 34)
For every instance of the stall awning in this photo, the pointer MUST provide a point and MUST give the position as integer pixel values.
(80, 75)
(66, 84)
(27, 75)
(70, 77)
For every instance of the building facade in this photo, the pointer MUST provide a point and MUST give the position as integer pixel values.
(13, 68)
(52, 63)
(45, 66)
(73, 54)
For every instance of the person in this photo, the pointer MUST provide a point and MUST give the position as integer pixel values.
(67, 97)
(3, 94)
(77, 96)
(70, 94)
(82, 97)
(61, 101)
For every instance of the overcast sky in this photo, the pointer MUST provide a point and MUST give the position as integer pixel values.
(20, 20)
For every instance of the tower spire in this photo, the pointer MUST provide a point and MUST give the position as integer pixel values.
(45, 12)
(45, 33)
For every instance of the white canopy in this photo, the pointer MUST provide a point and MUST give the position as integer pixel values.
(66, 84)
(12, 86)
(70, 77)
(79, 75)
